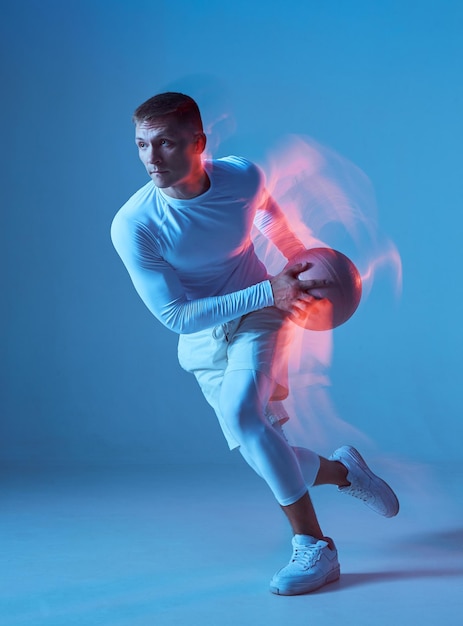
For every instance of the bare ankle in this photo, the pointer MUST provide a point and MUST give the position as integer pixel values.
(301, 515)
(331, 473)
(342, 472)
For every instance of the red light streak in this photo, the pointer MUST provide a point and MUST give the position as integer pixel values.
(328, 201)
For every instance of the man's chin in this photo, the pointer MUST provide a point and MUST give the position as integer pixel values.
(159, 181)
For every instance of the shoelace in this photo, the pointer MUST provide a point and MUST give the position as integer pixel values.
(306, 556)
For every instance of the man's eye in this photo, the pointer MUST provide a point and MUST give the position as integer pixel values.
(141, 144)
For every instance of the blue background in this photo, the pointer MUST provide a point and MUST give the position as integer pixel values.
(88, 376)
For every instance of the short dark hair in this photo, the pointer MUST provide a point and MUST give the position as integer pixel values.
(168, 104)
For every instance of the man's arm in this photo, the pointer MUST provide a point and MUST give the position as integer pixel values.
(162, 292)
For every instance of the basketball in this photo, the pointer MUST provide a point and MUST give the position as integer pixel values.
(336, 302)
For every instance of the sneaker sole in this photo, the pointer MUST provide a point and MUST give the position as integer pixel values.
(392, 501)
(293, 588)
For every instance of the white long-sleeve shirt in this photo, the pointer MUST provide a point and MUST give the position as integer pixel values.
(193, 261)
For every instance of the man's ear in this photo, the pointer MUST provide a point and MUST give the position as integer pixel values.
(200, 142)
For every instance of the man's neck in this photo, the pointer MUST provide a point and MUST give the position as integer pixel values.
(190, 189)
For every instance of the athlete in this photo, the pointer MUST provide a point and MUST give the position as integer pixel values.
(185, 239)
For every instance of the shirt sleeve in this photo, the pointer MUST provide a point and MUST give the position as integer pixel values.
(159, 287)
(272, 222)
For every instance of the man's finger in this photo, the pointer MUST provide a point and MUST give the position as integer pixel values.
(307, 285)
(297, 269)
(302, 307)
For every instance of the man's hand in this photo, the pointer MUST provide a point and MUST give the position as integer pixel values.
(291, 294)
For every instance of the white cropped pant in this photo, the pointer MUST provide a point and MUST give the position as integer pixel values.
(241, 368)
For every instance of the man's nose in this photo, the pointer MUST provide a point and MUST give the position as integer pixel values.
(153, 156)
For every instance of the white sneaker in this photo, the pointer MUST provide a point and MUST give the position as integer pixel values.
(313, 564)
(365, 485)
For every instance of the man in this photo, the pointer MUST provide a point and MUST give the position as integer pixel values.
(185, 241)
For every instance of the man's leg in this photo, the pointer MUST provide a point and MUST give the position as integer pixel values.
(331, 473)
(302, 517)
(314, 562)
(244, 395)
(345, 468)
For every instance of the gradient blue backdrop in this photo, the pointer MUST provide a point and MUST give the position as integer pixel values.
(87, 375)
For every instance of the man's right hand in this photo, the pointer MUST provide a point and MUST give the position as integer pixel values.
(292, 294)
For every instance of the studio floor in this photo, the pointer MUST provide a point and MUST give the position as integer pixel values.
(198, 545)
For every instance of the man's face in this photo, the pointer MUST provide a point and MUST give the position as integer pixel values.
(171, 154)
